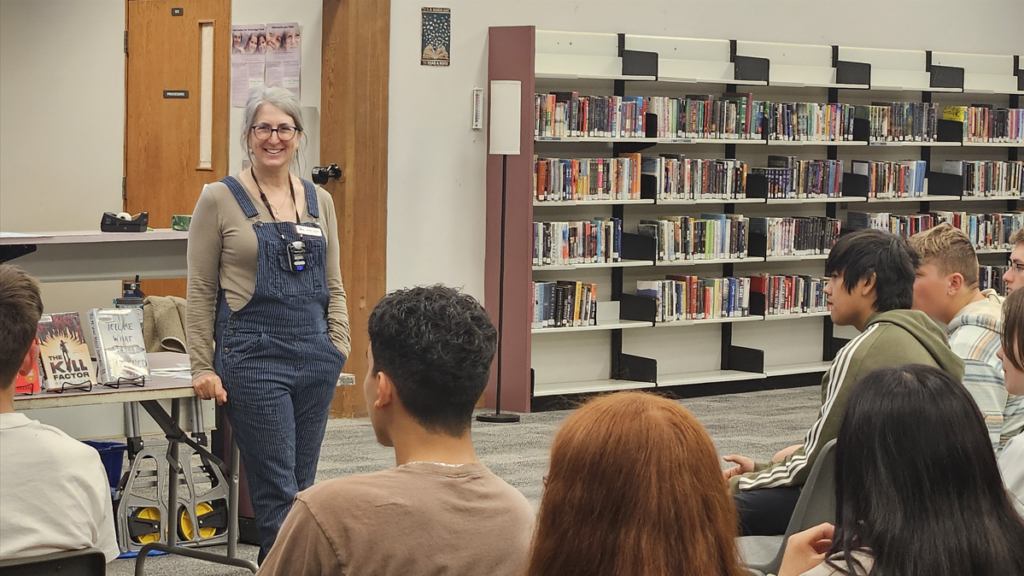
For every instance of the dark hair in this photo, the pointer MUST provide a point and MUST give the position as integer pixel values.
(20, 309)
(1013, 328)
(634, 489)
(888, 257)
(917, 482)
(436, 344)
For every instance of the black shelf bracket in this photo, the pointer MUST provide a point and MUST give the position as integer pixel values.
(748, 68)
(9, 252)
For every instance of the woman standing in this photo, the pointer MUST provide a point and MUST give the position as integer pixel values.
(264, 284)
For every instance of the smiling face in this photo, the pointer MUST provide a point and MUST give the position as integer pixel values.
(292, 40)
(262, 47)
(251, 45)
(273, 152)
(236, 40)
(273, 41)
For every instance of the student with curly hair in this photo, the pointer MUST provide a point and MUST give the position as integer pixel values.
(439, 511)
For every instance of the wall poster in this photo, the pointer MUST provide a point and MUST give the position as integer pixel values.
(436, 37)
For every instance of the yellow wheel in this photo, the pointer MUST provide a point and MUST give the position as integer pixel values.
(185, 522)
(147, 514)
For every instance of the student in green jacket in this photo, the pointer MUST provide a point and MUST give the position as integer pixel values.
(871, 287)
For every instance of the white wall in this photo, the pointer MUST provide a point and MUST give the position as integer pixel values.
(436, 162)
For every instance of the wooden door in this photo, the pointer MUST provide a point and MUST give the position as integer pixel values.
(176, 120)
(354, 102)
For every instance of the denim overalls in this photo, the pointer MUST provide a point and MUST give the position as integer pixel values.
(279, 367)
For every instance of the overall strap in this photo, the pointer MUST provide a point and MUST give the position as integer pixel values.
(311, 204)
(241, 196)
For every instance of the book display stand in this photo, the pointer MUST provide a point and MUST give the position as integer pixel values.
(627, 349)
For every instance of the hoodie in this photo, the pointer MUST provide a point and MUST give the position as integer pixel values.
(974, 336)
(891, 338)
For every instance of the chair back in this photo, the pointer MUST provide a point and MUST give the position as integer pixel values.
(88, 562)
(817, 504)
(817, 501)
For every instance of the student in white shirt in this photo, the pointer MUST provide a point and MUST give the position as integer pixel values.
(1011, 460)
(54, 494)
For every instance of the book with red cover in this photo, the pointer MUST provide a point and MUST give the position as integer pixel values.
(28, 384)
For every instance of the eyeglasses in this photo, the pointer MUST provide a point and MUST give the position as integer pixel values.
(285, 133)
(1017, 267)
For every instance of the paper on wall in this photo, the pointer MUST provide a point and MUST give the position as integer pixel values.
(284, 56)
(248, 59)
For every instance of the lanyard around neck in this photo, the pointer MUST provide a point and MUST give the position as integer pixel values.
(266, 202)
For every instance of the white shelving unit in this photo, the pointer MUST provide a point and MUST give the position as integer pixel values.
(691, 60)
(579, 56)
(599, 59)
(983, 73)
(796, 65)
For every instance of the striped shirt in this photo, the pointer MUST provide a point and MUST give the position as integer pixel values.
(974, 336)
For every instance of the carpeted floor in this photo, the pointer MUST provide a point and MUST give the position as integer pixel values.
(755, 424)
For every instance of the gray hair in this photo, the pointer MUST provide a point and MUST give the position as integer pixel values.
(283, 99)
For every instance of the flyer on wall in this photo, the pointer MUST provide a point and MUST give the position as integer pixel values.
(284, 56)
(436, 37)
(248, 57)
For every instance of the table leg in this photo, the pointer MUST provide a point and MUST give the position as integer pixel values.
(172, 473)
(233, 501)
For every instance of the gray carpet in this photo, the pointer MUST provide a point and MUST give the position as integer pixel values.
(755, 424)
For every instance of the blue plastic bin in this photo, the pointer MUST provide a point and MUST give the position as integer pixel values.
(112, 456)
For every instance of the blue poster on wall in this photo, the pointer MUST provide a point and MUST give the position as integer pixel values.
(436, 37)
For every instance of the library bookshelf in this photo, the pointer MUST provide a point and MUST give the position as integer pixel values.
(626, 349)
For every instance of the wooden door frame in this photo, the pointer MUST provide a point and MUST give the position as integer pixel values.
(354, 135)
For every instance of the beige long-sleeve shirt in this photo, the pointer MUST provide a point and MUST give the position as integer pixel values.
(419, 518)
(223, 254)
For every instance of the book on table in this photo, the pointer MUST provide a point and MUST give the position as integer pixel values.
(64, 355)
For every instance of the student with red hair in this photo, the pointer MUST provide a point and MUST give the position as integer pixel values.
(634, 488)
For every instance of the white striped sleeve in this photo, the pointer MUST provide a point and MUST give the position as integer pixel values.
(784, 473)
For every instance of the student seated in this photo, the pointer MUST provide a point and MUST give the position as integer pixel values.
(946, 289)
(1011, 460)
(870, 287)
(634, 488)
(440, 511)
(917, 489)
(54, 492)
(1013, 278)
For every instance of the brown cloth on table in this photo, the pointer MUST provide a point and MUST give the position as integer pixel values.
(164, 324)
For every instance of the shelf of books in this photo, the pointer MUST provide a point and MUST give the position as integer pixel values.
(670, 216)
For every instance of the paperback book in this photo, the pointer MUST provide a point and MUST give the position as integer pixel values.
(795, 236)
(120, 348)
(900, 179)
(64, 355)
(791, 294)
(709, 237)
(596, 241)
(989, 178)
(675, 177)
(562, 304)
(681, 298)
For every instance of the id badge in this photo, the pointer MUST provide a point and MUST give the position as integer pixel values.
(313, 231)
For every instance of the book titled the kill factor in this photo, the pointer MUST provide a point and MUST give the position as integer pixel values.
(64, 353)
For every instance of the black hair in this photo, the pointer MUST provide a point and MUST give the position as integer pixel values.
(890, 258)
(917, 482)
(436, 344)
